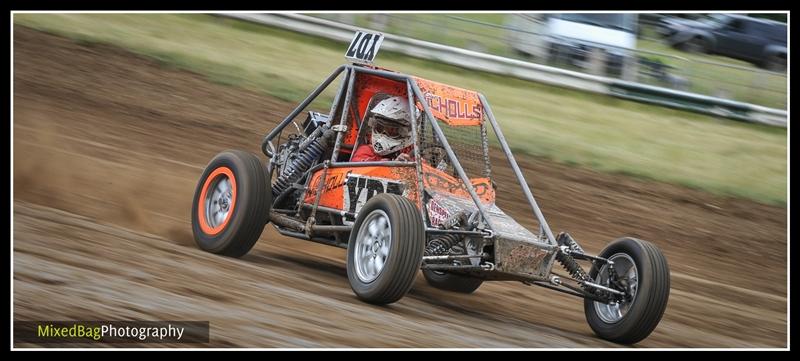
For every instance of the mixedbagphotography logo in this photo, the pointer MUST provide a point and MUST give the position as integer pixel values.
(111, 331)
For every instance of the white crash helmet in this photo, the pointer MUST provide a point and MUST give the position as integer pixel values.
(391, 125)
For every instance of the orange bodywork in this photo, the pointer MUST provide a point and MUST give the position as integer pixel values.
(454, 106)
(364, 88)
(438, 181)
(348, 188)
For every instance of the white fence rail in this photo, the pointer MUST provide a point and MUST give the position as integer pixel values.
(529, 71)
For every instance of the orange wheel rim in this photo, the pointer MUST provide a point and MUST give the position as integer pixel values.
(217, 201)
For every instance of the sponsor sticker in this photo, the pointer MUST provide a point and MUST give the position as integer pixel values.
(359, 189)
(436, 213)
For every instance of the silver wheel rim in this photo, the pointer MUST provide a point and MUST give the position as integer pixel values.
(626, 269)
(218, 203)
(373, 243)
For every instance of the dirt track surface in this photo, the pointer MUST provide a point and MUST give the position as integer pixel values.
(108, 147)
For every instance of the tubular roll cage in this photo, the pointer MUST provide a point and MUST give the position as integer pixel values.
(309, 230)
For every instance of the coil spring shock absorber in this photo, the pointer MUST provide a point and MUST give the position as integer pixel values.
(440, 246)
(574, 269)
(572, 266)
(567, 261)
(301, 162)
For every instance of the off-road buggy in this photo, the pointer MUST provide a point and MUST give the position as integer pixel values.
(436, 212)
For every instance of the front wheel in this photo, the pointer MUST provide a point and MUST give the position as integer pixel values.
(231, 204)
(385, 249)
(643, 274)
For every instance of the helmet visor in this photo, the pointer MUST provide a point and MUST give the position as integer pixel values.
(389, 128)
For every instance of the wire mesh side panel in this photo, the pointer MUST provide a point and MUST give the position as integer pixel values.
(448, 201)
(468, 144)
(449, 198)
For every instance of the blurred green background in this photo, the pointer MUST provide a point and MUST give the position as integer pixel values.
(589, 130)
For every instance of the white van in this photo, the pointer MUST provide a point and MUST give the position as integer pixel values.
(573, 37)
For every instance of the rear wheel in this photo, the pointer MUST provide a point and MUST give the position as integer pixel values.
(776, 63)
(643, 273)
(451, 282)
(231, 204)
(385, 249)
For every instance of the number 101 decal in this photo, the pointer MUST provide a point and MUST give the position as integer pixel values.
(364, 47)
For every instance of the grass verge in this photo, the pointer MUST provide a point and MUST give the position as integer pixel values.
(572, 127)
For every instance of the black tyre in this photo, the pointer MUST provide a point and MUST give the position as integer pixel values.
(385, 249)
(775, 63)
(451, 282)
(696, 45)
(231, 204)
(628, 322)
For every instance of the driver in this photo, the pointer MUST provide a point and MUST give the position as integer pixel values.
(391, 137)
